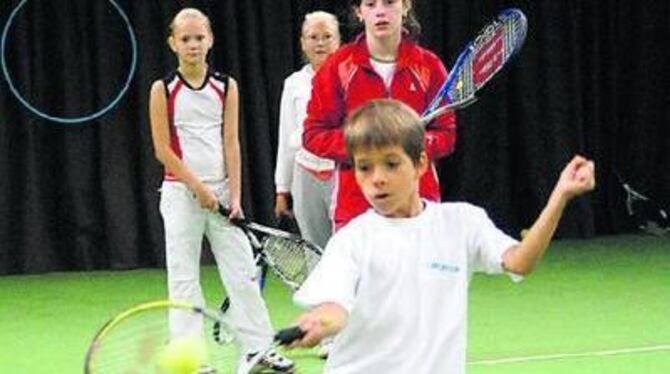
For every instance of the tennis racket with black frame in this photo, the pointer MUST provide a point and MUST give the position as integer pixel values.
(135, 340)
(479, 62)
(291, 257)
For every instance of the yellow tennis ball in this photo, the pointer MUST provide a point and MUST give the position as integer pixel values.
(182, 356)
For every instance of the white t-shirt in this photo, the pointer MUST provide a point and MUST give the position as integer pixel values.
(404, 282)
(385, 70)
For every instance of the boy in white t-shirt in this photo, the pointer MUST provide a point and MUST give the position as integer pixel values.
(393, 284)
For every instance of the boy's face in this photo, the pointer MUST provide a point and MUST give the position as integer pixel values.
(390, 180)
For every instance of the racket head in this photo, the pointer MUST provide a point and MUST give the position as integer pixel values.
(138, 341)
(496, 44)
(291, 258)
(479, 62)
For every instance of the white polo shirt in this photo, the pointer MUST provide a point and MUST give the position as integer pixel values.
(405, 283)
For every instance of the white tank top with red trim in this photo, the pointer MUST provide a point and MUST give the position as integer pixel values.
(196, 119)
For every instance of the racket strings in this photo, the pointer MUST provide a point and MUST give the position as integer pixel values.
(490, 51)
(292, 260)
(464, 86)
(136, 344)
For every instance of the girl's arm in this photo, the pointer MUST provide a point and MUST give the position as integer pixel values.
(231, 147)
(286, 151)
(160, 135)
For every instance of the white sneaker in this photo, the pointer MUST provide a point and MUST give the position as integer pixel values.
(271, 362)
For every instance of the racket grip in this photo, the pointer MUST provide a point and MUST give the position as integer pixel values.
(223, 210)
(289, 335)
(237, 221)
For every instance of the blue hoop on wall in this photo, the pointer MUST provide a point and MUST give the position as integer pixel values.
(69, 120)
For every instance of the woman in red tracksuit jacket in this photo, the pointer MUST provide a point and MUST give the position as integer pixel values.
(382, 62)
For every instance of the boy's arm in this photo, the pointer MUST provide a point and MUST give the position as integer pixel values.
(324, 320)
(329, 290)
(577, 178)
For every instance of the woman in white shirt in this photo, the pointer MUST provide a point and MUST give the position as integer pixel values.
(300, 176)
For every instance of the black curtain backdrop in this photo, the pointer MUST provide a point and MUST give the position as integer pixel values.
(591, 79)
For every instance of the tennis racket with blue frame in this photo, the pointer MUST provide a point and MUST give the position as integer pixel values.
(479, 61)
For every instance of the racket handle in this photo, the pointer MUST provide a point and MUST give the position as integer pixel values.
(238, 221)
(223, 210)
(289, 335)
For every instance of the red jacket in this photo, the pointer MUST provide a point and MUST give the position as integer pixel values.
(347, 80)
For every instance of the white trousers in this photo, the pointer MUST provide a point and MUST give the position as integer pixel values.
(185, 225)
(311, 205)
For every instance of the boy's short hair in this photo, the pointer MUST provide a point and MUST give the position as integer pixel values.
(382, 123)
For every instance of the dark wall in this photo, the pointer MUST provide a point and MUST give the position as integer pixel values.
(591, 79)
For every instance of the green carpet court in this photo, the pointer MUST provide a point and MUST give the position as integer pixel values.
(592, 306)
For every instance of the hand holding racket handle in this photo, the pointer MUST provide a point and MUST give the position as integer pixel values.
(289, 335)
(224, 211)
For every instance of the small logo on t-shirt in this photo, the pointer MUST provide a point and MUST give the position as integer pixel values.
(443, 267)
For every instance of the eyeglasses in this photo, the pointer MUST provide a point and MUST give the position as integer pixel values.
(325, 39)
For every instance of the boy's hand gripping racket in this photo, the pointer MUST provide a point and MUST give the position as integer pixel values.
(479, 61)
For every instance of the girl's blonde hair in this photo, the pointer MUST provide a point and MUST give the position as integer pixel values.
(321, 16)
(189, 13)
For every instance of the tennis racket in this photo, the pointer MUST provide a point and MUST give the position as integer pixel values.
(138, 341)
(289, 256)
(479, 61)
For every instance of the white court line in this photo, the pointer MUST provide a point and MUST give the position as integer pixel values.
(559, 356)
